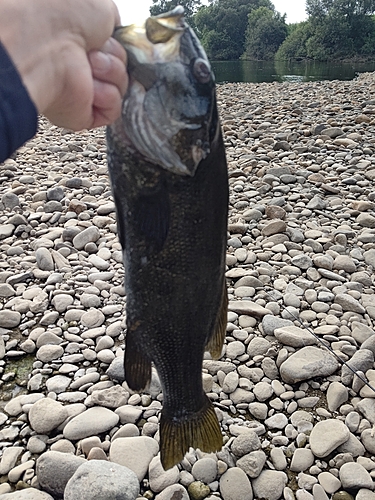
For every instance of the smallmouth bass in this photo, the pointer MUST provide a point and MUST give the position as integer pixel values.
(169, 179)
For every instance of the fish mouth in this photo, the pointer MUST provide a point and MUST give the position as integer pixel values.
(162, 28)
(167, 109)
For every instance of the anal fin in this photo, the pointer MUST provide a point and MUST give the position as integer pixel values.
(216, 340)
(200, 430)
(137, 364)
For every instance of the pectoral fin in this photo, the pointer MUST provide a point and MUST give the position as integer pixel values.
(137, 364)
(152, 214)
(216, 340)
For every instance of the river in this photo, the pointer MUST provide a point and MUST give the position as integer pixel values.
(284, 71)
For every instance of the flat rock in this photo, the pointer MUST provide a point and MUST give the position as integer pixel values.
(89, 423)
(247, 307)
(301, 364)
(355, 476)
(349, 303)
(328, 435)
(294, 336)
(135, 453)
(235, 485)
(9, 319)
(27, 494)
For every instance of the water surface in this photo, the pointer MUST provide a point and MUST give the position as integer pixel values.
(283, 71)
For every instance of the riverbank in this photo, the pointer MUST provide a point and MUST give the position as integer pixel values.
(280, 71)
(301, 248)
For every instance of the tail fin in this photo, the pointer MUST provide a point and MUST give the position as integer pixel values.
(200, 430)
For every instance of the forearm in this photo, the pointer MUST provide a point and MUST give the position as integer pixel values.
(18, 115)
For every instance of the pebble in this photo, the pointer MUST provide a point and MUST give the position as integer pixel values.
(88, 235)
(302, 363)
(161, 479)
(269, 484)
(327, 435)
(329, 482)
(252, 463)
(27, 494)
(302, 459)
(92, 421)
(235, 485)
(174, 491)
(54, 469)
(301, 229)
(355, 476)
(46, 414)
(135, 453)
(205, 470)
(97, 478)
(9, 458)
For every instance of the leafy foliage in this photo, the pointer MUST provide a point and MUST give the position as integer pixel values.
(336, 29)
(190, 6)
(222, 25)
(294, 46)
(347, 8)
(266, 30)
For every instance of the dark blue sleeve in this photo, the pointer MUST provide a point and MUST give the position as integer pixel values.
(18, 115)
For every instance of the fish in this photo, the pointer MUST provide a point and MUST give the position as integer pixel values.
(168, 172)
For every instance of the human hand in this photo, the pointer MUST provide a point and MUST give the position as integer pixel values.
(73, 70)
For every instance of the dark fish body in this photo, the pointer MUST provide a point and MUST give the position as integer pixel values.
(171, 200)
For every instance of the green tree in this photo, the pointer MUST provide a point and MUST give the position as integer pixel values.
(190, 6)
(266, 31)
(222, 25)
(348, 8)
(336, 29)
(294, 46)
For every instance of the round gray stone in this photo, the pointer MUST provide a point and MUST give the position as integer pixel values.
(9, 319)
(160, 478)
(301, 364)
(327, 435)
(90, 423)
(54, 469)
(270, 484)
(235, 485)
(44, 259)
(104, 480)
(46, 414)
(355, 476)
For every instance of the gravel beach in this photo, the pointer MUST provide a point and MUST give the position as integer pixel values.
(296, 423)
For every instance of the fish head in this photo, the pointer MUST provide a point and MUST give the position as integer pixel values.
(168, 115)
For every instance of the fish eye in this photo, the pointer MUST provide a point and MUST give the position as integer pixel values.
(201, 70)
